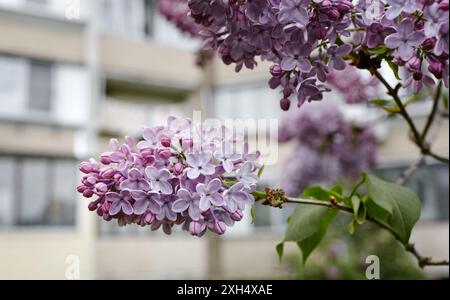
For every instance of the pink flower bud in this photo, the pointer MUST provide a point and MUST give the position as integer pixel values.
(178, 169)
(88, 193)
(285, 104)
(107, 217)
(237, 216)
(105, 158)
(149, 218)
(219, 227)
(414, 64)
(165, 142)
(107, 173)
(164, 153)
(429, 43)
(196, 228)
(85, 167)
(81, 188)
(101, 188)
(93, 205)
(276, 70)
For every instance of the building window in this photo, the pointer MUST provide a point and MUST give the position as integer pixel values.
(246, 101)
(37, 191)
(26, 87)
(40, 88)
(131, 18)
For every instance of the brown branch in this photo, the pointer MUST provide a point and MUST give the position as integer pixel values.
(434, 110)
(411, 170)
(417, 137)
(422, 260)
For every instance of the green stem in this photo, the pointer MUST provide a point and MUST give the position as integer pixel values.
(422, 261)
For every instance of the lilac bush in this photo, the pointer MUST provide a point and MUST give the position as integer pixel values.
(179, 174)
(307, 39)
(328, 148)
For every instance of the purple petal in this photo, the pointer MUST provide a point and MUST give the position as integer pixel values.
(134, 174)
(214, 185)
(115, 208)
(193, 160)
(216, 199)
(194, 212)
(140, 206)
(204, 204)
(180, 205)
(112, 197)
(166, 188)
(152, 173)
(138, 195)
(126, 207)
(193, 173)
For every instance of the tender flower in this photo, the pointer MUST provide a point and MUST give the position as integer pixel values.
(146, 201)
(189, 202)
(210, 195)
(199, 164)
(135, 181)
(159, 180)
(120, 202)
(406, 39)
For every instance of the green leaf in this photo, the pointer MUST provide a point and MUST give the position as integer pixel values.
(261, 170)
(380, 102)
(378, 50)
(252, 214)
(316, 192)
(359, 209)
(280, 250)
(351, 227)
(307, 226)
(400, 205)
(394, 69)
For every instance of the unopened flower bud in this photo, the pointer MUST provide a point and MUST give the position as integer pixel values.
(88, 193)
(196, 228)
(101, 188)
(429, 43)
(285, 104)
(276, 70)
(165, 142)
(105, 158)
(237, 216)
(93, 205)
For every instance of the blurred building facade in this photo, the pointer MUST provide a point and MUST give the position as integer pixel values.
(75, 73)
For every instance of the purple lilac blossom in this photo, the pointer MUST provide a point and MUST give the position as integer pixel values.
(328, 148)
(300, 37)
(165, 180)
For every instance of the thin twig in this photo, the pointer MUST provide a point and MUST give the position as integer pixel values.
(417, 137)
(422, 261)
(410, 171)
(434, 110)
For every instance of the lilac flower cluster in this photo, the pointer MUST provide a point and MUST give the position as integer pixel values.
(306, 39)
(179, 174)
(354, 87)
(176, 11)
(335, 148)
